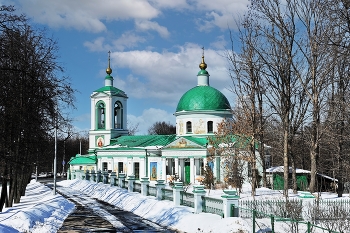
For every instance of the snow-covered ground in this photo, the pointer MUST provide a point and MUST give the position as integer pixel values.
(41, 211)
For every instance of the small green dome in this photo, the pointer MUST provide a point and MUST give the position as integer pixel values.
(203, 72)
(202, 98)
(108, 77)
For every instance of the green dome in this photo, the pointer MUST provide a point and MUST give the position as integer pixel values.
(202, 98)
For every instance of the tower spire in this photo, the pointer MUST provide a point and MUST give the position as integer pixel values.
(109, 70)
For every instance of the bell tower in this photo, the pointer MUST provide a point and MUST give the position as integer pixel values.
(108, 113)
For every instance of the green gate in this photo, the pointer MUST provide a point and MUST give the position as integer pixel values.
(302, 183)
(278, 182)
(187, 174)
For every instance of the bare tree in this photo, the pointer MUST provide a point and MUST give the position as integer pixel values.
(133, 129)
(162, 128)
(235, 146)
(273, 25)
(31, 87)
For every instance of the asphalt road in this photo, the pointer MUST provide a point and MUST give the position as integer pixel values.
(92, 215)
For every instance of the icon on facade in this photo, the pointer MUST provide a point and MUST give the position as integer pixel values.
(100, 142)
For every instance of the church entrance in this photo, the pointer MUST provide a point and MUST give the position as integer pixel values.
(187, 173)
(137, 170)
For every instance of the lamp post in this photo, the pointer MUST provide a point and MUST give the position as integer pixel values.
(55, 159)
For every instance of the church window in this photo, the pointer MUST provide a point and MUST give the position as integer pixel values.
(104, 166)
(210, 126)
(118, 115)
(120, 167)
(189, 126)
(101, 115)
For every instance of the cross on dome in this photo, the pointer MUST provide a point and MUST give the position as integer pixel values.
(203, 65)
(109, 70)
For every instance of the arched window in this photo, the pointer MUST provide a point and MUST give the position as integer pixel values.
(101, 115)
(189, 126)
(118, 115)
(210, 126)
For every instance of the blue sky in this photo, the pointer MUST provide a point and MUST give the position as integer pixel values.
(155, 49)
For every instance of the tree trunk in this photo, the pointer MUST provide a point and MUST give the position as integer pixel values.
(285, 162)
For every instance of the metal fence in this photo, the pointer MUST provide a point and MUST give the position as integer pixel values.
(331, 216)
(167, 194)
(212, 205)
(137, 187)
(281, 208)
(125, 184)
(151, 191)
(187, 199)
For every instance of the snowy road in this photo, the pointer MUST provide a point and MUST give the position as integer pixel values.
(92, 215)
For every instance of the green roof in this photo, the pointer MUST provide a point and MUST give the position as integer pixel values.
(198, 140)
(79, 159)
(143, 140)
(115, 90)
(202, 98)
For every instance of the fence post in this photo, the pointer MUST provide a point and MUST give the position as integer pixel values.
(160, 185)
(198, 191)
(87, 175)
(105, 177)
(98, 177)
(308, 227)
(177, 188)
(272, 224)
(230, 198)
(93, 176)
(254, 215)
(121, 179)
(131, 179)
(144, 182)
(112, 180)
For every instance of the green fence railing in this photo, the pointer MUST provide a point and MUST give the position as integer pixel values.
(187, 199)
(212, 205)
(318, 216)
(167, 194)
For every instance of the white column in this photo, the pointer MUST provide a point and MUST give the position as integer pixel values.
(163, 169)
(192, 170)
(204, 163)
(112, 165)
(181, 169)
(198, 166)
(130, 167)
(142, 168)
(176, 166)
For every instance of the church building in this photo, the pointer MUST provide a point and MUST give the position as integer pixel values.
(157, 157)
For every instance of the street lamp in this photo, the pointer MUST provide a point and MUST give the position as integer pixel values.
(55, 159)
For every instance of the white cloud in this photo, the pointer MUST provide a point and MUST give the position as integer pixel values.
(220, 13)
(91, 15)
(127, 40)
(148, 118)
(220, 43)
(166, 76)
(97, 45)
(86, 14)
(146, 25)
(178, 4)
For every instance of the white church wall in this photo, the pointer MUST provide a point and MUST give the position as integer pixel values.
(199, 123)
